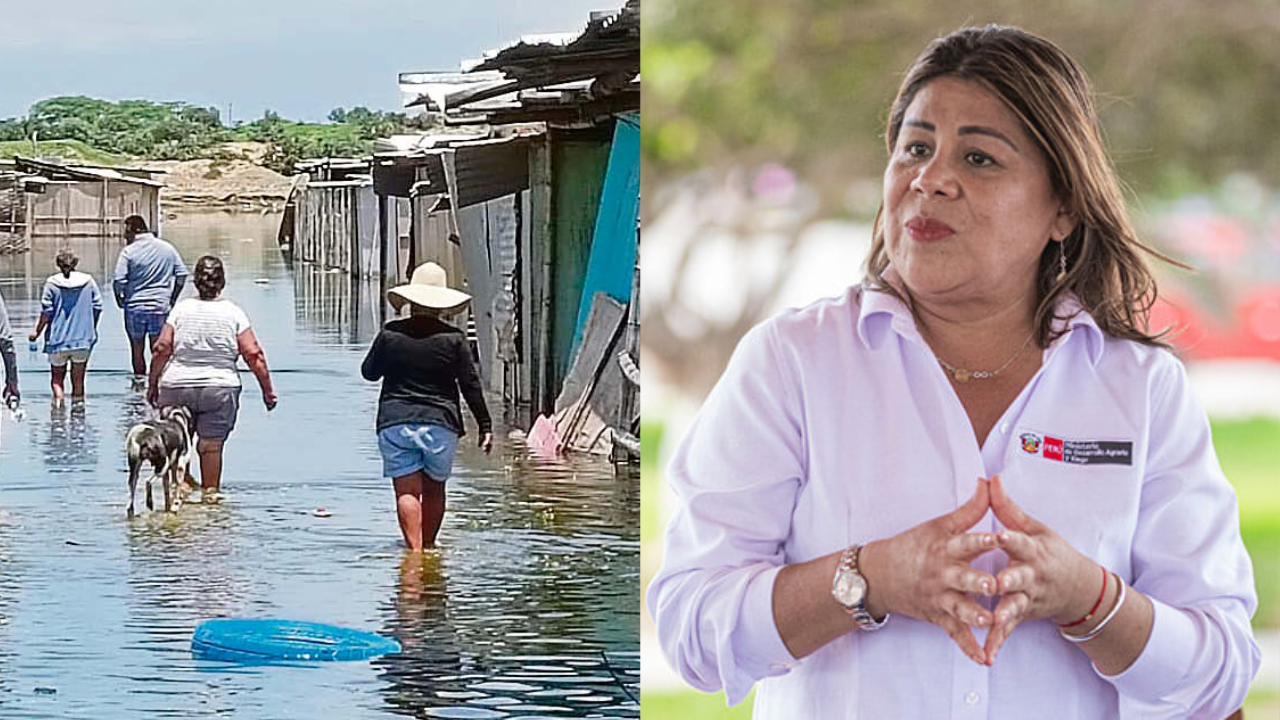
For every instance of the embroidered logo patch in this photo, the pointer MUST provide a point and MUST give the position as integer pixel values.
(1030, 443)
(1078, 452)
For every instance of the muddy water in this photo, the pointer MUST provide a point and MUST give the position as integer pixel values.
(529, 610)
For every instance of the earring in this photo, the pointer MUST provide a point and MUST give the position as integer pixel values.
(1062, 260)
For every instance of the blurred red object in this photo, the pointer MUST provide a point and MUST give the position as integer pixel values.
(1251, 331)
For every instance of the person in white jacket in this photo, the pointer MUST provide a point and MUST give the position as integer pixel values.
(70, 307)
(976, 485)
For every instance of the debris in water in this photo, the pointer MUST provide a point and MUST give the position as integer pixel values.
(321, 512)
(263, 281)
(45, 690)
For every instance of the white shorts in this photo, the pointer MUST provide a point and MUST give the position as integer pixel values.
(60, 358)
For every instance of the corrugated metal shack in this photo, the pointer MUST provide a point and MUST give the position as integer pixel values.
(530, 206)
(465, 201)
(40, 199)
(331, 216)
(13, 208)
(544, 213)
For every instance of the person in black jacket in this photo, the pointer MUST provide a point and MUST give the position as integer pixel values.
(423, 362)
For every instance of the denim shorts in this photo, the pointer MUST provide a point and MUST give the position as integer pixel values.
(60, 358)
(413, 446)
(138, 324)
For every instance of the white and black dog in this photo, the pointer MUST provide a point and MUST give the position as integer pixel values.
(166, 442)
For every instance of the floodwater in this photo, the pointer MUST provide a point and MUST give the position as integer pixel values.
(529, 610)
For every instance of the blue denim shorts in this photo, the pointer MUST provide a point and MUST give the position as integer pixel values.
(413, 446)
(138, 324)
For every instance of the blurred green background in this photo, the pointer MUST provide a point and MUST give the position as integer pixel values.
(763, 141)
(1189, 91)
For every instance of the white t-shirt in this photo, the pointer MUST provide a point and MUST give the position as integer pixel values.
(205, 345)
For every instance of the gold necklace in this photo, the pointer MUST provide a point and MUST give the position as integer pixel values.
(962, 375)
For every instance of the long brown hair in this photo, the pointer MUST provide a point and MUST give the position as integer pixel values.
(1049, 93)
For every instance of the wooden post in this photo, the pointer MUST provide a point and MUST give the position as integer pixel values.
(542, 248)
(631, 344)
(383, 205)
(353, 244)
(323, 209)
(524, 368)
(31, 209)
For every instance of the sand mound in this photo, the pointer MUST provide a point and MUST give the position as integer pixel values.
(221, 181)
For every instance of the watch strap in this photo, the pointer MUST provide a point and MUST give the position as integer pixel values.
(863, 619)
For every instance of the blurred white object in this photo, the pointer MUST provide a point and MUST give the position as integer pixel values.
(1237, 389)
(16, 411)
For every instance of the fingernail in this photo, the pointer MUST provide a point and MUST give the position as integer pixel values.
(988, 540)
(1002, 617)
(982, 621)
(986, 588)
(1004, 536)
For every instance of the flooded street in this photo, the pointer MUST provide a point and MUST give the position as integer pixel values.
(529, 610)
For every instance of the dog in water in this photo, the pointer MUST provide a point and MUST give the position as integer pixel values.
(165, 442)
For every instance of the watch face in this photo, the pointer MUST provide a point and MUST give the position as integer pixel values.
(849, 588)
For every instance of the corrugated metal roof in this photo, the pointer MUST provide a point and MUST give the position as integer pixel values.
(566, 77)
(77, 172)
(421, 88)
(548, 60)
(485, 169)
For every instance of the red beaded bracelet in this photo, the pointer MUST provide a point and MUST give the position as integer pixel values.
(1089, 615)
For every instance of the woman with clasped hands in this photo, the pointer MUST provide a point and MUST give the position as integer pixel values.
(837, 538)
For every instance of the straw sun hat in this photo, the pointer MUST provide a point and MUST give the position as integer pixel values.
(429, 287)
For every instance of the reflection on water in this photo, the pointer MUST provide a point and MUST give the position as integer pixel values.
(336, 307)
(529, 610)
(521, 619)
(71, 444)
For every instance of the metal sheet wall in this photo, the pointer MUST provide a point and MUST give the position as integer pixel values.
(336, 226)
(613, 248)
(91, 209)
(578, 168)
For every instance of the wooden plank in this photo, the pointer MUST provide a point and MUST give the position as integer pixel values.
(102, 209)
(30, 217)
(540, 261)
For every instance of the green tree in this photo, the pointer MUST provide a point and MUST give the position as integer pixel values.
(171, 130)
(13, 129)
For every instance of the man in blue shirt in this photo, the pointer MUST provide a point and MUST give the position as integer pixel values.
(148, 279)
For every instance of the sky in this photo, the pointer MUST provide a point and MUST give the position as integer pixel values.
(299, 58)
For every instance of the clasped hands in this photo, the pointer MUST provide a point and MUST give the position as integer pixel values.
(1045, 577)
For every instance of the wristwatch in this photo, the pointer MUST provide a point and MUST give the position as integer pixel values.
(849, 588)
